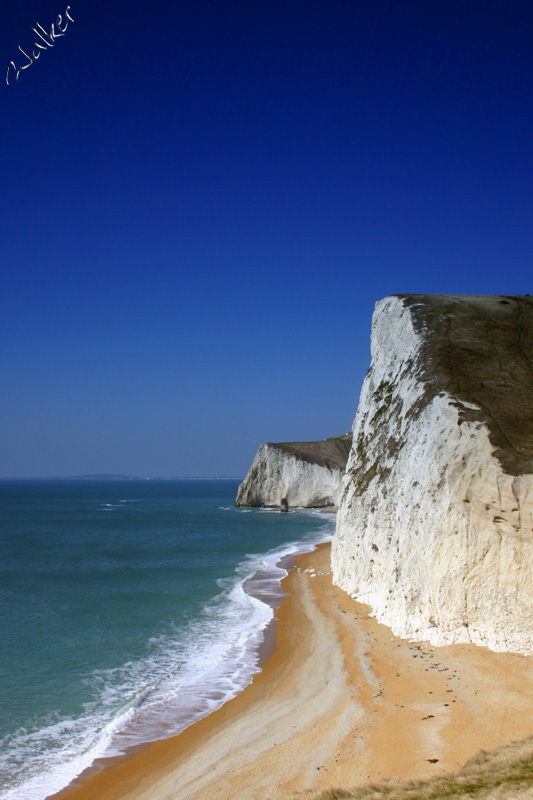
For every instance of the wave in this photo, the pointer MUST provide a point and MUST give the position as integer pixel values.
(186, 674)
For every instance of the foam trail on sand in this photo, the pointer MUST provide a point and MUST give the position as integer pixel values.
(188, 674)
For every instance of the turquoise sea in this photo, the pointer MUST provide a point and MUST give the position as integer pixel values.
(128, 609)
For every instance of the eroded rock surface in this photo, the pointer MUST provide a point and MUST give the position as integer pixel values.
(308, 474)
(435, 522)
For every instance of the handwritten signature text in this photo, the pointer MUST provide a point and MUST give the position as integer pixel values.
(38, 46)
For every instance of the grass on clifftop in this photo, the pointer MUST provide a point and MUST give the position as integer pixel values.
(503, 774)
(332, 453)
(479, 349)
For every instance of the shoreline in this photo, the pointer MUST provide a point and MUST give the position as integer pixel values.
(272, 595)
(263, 584)
(340, 702)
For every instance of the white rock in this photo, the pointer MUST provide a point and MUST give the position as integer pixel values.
(431, 531)
(308, 474)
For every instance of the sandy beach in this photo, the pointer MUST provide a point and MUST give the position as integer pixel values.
(339, 703)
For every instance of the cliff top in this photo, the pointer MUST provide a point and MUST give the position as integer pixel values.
(479, 349)
(331, 453)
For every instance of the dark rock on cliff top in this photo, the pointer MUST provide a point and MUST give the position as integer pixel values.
(305, 474)
(479, 349)
(331, 453)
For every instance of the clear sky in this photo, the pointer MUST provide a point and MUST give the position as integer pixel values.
(202, 202)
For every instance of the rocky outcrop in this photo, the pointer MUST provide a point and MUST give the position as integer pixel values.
(435, 523)
(307, 474)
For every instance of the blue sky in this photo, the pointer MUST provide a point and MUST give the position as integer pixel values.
(202, 203)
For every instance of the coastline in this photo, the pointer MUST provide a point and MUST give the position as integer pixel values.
(339, 702)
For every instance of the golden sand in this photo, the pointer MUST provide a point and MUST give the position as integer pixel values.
(340, 702)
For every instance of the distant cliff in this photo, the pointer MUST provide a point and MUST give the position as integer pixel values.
(435, 523)
(307, 474)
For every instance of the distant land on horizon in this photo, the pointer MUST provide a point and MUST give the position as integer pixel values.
(110, 477)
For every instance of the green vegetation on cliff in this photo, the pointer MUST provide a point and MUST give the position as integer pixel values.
(479, 349)
(502, 774)
(331, 453)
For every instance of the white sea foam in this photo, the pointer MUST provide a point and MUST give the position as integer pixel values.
(186, 676)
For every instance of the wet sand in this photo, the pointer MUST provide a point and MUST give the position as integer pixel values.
(340, 702)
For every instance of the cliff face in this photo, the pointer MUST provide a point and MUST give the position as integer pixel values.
(435, 522)
(306, 473)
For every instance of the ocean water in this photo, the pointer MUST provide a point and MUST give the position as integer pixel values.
(128, 609)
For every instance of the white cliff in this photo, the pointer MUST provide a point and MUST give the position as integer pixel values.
(307, 474)
(435, 522)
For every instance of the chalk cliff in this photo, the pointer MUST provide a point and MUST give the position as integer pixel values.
(435, 522)
(308, 474)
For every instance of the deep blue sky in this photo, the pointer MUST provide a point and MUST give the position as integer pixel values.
(202, 201)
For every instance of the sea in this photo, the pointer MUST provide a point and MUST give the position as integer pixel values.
(128, 610)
